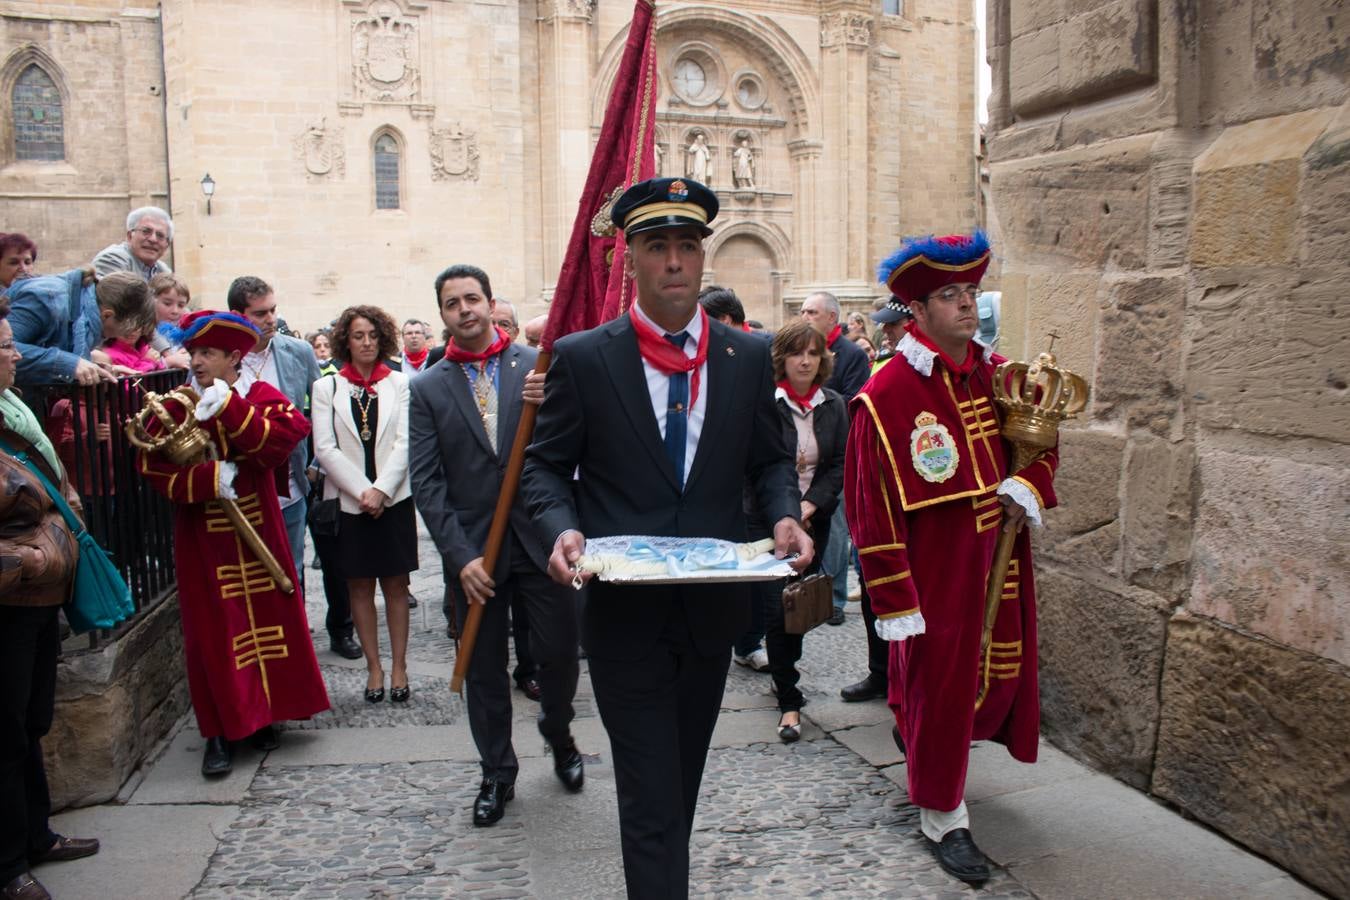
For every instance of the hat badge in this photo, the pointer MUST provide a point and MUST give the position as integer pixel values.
(678, 191)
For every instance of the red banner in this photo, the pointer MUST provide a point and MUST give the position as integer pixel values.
(591, 286)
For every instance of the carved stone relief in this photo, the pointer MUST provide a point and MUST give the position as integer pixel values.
(572, 9)
(320, 147)
(454, 153)
(385, 54)
(850, 29)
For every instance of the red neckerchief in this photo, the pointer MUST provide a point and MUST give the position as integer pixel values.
(745, 326)
(665, 357)
(457, 354)
(974, 352)
(417, 359)
(358, 380)
(802, 400)
(833, 335)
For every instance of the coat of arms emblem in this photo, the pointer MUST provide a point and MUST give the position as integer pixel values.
(454, 153)
(932, 449)
(384, 53)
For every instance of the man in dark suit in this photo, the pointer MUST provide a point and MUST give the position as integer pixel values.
(663, 415)
(462, 418)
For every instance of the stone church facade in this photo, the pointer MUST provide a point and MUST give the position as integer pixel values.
(360, 146)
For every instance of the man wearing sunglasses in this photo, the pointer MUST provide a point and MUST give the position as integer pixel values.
(149, 234)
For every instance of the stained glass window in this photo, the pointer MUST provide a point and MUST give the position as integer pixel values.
(386, 172)
(38, 122)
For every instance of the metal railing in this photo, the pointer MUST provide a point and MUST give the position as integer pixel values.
(132, 522)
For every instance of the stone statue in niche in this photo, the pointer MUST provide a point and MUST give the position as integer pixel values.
(696, 159)
(319, 146)
(454, 153)
(384, 54)
(660, 159)
(743, 165)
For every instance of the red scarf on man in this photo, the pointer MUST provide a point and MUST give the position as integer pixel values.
(417, 360)
(458, 354)
(833, 336)
(802, 400)
(974, 352)
(665, 357)
(358, 380)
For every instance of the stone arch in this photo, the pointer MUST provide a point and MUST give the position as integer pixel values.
(761, 35)
(749, 258)
(14, 66)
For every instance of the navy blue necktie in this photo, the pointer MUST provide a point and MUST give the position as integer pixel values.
(677, 412)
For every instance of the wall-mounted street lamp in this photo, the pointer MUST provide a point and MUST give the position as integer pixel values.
(209, 189)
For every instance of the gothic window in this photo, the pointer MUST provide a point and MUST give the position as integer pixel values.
(38, 122)
(386, 172)
(890, 7)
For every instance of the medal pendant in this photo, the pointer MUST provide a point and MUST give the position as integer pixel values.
(365, 434)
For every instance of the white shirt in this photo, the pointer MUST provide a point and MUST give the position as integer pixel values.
(658, 386)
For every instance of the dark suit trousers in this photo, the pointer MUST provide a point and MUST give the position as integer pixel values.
(553, 638)
(660, 712)
(338, 622)
(878, 654)
(785, 650)
(29, 644)
(520, 623)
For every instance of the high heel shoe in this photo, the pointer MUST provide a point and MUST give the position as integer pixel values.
(789, 733)
(399, 694)
(375, 695)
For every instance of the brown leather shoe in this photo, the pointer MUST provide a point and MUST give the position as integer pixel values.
(25, 887)
(66, 849)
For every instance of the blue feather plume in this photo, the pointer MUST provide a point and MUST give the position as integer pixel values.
(950, 254)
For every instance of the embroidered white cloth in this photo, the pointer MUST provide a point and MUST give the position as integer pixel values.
(653, 560)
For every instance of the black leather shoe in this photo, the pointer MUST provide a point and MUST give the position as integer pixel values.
(412, 601)
(345, 646)
(451, 631)
(836, 618)
(959, 857)
(265, 739)
(530, 688)
(899, 741)
(568, 765)
(64, 849)
(218, 758)
(490, 804)
(399, 694)
(24, 887)
(870, 688)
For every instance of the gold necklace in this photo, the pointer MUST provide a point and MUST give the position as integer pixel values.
(365, 412)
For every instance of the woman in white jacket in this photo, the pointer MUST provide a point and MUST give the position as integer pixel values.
(360, 418)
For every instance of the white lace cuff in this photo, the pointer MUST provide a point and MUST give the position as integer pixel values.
(1023, 497)
(897, 628)
(225, 481)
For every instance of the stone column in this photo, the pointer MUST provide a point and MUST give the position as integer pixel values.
(845, 42)
(805, 155)
(564, 121)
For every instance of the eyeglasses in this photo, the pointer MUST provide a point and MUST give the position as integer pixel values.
(147, 232)
(952, 293)
(7, 345)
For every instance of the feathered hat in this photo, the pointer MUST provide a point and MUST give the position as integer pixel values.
(224, 330)
(924, 264)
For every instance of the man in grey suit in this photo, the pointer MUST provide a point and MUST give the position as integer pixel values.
(289, 365)
(461, 421)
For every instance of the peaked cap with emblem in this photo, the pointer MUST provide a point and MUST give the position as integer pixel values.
(926, 264)
(665, 203)
(223, 330)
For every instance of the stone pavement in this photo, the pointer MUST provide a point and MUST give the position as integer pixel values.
(374, 801)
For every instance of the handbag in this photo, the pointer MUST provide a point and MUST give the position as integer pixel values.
(807, 602)
(324, 515)
(100, 598)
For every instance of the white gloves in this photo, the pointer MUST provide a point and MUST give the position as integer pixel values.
(228, 471)
(212, 400)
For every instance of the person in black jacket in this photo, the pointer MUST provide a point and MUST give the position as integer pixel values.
(815, 427)
(650, 424)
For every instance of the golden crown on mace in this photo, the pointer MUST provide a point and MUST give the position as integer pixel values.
(1036, 397)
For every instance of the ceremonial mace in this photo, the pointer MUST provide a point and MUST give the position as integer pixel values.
(186, 443)
(1035, 398)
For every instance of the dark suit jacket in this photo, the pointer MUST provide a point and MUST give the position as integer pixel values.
(456, 476)
(830, 425)
(597, 421)
(851, 368)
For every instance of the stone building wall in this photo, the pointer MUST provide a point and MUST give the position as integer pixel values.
(1169, 185)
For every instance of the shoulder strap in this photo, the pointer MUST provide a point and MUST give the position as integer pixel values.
(72, 520)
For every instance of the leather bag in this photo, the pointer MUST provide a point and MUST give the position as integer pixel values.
(807, 602)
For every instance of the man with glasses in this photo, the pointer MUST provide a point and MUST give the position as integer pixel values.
(149, 234)
(928, 489)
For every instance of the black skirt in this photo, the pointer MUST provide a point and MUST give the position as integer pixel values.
(378, 548)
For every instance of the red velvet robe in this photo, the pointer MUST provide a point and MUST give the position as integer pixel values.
(925, 460)
(250, 661)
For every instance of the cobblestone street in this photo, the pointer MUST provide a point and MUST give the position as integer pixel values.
(374, 801)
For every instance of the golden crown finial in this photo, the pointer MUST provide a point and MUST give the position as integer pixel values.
(1035, 398)
(181, 441)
